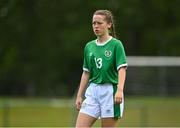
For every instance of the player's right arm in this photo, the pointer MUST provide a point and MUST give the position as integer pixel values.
(83, 83)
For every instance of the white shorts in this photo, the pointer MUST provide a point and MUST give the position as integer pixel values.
(99, 101)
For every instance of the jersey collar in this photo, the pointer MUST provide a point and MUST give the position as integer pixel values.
(102, 44)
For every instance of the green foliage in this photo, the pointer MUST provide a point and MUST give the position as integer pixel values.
(42, 41)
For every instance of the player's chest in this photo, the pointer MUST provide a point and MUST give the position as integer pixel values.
(104, 53)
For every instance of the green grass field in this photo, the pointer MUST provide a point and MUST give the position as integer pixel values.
(139, 111)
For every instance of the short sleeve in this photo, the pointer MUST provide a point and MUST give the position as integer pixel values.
(85, 61)
(120, 56)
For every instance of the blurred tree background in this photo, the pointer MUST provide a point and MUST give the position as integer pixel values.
(42, 41)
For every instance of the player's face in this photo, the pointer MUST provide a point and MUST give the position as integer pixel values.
(100, 25)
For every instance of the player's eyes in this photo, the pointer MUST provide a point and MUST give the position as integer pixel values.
(98, 23)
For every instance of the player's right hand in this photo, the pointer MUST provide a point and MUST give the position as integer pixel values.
(78, 103)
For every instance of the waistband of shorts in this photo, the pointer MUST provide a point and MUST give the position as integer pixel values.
(103, 84)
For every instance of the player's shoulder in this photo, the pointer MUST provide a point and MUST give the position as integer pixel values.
(90, 43)
(116, 41)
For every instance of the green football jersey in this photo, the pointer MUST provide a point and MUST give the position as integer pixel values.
(103, 61)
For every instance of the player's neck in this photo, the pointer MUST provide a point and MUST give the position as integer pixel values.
(102, 39)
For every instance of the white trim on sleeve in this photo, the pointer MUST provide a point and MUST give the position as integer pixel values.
(122, 65)
(85, 69)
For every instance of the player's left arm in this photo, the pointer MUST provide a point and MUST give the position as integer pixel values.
(120, 86)
(121, 65)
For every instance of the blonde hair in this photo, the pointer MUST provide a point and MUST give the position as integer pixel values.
(109, 19)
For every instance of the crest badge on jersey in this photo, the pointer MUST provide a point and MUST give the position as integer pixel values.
(108, 53)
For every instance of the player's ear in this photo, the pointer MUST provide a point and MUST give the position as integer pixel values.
(109, 25)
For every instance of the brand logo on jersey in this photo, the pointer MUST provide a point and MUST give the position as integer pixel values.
(90, 54)
(108, 53)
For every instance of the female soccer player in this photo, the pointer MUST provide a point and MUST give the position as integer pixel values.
(104, 71)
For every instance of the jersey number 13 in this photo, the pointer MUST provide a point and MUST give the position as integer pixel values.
(98, 62)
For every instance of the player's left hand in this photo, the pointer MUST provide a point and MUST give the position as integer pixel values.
(118, 97)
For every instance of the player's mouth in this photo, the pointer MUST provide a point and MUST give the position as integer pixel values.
(96, 31)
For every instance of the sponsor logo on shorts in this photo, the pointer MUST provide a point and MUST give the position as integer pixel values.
(108, 111)
(83, 105)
